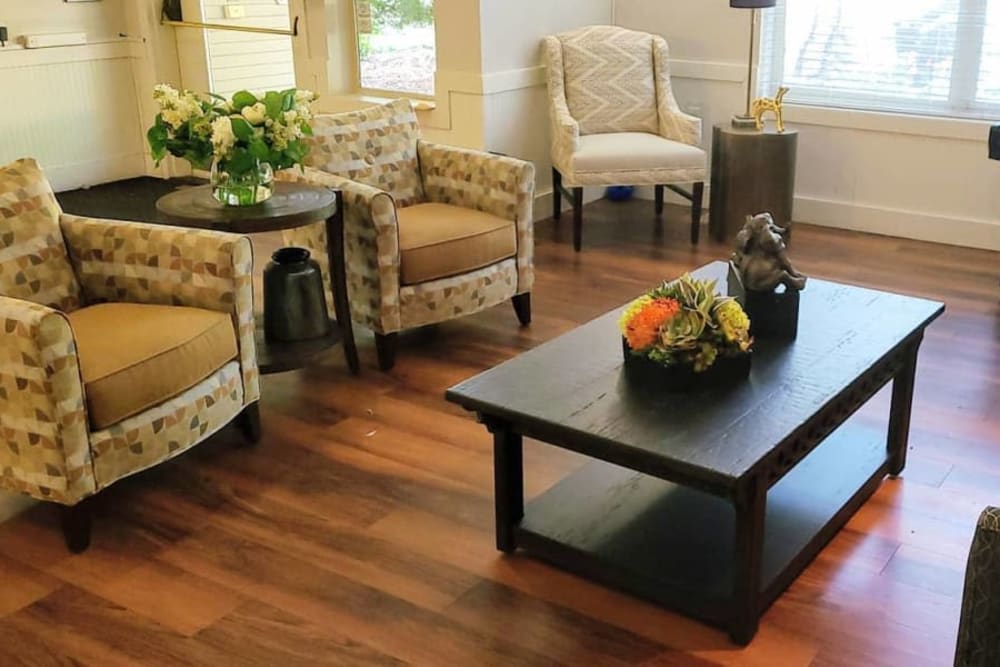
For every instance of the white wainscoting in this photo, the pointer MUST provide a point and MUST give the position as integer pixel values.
(75, 110)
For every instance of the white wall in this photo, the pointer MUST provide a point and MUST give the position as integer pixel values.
(515, 105)
(240, 60)
(73, 108)
(100, 20)
(913, 177)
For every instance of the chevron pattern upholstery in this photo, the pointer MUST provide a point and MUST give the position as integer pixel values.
(604, 79)
(610, 85)
(978, 635)
(614, 119)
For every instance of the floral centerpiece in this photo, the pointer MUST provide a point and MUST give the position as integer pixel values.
(683, 334)
(242, 140)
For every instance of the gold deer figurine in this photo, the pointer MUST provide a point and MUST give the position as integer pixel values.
(764, 104)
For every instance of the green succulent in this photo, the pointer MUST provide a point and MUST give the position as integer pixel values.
(684, 329)
(706, 326)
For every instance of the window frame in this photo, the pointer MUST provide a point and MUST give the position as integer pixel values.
(961, 102)
(424, 100)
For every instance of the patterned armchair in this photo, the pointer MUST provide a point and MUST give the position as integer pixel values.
(615, 121)
(431, 232)
(979, 630)
(124, 345)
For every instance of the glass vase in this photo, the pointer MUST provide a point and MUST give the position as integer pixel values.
(248, 189)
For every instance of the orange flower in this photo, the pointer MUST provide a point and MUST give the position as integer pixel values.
(643, 330)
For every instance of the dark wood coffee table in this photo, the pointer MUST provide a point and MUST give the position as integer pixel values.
(711, 503)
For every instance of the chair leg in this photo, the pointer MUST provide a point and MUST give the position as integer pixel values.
(556, 194)
(522, 307)
(385, 347)
(577, 218)
(658, 190)
(697, 199)
(248, 422)
(76, 523)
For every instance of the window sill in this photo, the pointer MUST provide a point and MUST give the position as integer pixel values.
(963, 129)
(361, 100)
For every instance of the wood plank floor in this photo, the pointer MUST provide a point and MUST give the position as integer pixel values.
(359, 532)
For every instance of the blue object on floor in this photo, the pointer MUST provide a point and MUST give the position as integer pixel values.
(619, 192)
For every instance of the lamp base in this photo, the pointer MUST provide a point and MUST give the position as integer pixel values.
(744, 122)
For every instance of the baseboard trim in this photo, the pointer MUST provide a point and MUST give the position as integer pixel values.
(543, 202)
(671, 197)
(967, 232)
(94, 172)
(12, 504)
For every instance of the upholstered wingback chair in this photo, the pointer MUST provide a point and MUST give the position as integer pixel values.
(979, 629)
(431, 232)
(123, 345)
(615, 121)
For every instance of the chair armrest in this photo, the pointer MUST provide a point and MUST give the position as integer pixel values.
(135, 262)
(674, 123)
(495, 184)
(43, 414)
(371, 247)
(565, 130)
(501, 186)
(978, 639)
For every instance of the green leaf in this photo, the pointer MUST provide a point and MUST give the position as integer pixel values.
(242, 129)
(258, 148)
(296, 151)
(306, 128)
(241, 161)
(244, 98)
(287, 100)
(273, 104)
(157, 137)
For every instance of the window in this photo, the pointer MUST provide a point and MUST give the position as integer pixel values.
(936, 57)
(396, 46)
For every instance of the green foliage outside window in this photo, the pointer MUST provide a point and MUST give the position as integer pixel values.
(401, 13)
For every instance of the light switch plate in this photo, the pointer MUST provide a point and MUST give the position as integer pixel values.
(235, 11)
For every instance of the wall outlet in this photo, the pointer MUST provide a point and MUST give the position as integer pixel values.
(235, 11)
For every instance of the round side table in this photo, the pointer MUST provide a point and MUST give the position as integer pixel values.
(752, 172)
(292, 205)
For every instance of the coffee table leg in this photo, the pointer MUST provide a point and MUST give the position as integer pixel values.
(338, 282)
(751, 503)
(508, 483)
(899, 412)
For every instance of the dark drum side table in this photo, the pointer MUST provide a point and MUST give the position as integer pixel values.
(292, 205)
(752, 172)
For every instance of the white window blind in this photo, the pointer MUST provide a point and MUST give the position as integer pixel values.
(935, 57)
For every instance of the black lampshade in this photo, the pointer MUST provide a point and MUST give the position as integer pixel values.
(995, 142)
(752, 4)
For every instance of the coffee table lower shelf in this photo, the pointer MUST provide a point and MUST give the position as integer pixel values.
(675, 546)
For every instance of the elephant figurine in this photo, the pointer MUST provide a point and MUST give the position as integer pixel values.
(760, 257)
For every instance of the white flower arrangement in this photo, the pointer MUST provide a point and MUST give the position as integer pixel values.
(239, 133)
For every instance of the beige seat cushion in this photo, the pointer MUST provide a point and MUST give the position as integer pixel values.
(438, 240)
(634, 151)
(134, 357)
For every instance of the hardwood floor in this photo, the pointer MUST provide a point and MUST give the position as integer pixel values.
(359, 531)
